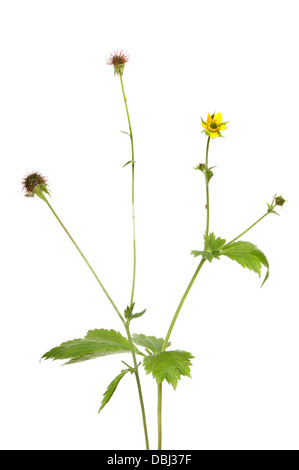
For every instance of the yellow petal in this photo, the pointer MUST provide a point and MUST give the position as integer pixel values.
(214, 135)
(204, 125)
(218, 118)
(222, 127)
(208, 119)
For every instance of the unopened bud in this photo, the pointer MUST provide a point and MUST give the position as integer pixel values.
(279, 201)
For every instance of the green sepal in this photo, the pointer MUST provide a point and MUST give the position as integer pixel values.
(40, 189)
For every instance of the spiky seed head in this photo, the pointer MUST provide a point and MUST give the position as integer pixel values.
(34, 183)
(118, 59)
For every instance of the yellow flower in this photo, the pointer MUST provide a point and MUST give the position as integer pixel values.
(214, 125)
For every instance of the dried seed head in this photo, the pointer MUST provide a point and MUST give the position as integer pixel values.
(118, 60)
(35, 183)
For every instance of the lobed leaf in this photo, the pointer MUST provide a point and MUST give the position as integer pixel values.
(95, 344)
(213, 243)
(168, 365)
(212, 248)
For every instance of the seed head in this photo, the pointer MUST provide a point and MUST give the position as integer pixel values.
(118, 59)
(279, 201)
(35, 183)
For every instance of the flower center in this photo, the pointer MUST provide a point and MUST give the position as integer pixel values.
(213, 125)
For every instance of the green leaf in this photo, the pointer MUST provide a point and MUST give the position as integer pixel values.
(95, 344)
(129, 312)
(205, 254)
(136, 315)
(168, 365)
(213, 243)
(112, 387)
(209, 174)
(213, 247)
(128, 163)
(149, 342)
(247, 255)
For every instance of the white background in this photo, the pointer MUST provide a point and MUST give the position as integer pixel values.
(61, 112)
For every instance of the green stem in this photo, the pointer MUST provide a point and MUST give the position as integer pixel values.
(245, 231)
(134, 268)
(133, 190)
(88, 264)
(138, 386)
(159, 415)
(202, 261)
(182, 303)
(207, 193)
(185, 295)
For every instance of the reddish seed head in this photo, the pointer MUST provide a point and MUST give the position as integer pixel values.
(118, 59)
(31, 181)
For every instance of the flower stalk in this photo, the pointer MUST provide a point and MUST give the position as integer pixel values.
(133, 190)
(177, 312)
(118, 60)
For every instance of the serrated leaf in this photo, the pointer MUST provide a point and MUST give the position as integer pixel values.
(212, 247)
(247, 255)
(168, 365)
(213, 243)
(95, 344)
(152, 343)
(112, 387)
(205, 254)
